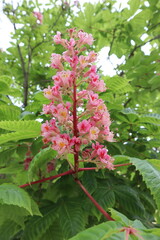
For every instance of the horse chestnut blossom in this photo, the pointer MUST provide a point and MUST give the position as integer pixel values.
(39, 16)
(80, 120)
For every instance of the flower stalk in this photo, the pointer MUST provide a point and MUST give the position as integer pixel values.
(94, 201)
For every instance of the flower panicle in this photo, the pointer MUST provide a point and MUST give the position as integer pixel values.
(75, 106)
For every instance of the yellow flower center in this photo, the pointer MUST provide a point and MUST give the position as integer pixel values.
(93, 131)
(63, 114)
(61, 144)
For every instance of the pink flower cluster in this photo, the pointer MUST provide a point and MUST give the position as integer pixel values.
(80, 119)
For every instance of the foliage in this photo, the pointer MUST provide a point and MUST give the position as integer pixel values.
(130, 192)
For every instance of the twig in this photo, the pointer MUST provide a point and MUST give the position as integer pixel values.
(49, 178)
(70, 172)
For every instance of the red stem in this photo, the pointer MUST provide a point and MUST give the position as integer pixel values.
(75, 132)
(94, 201)
(123, 164)
(49, 178)
(94, 168)
(67, 173)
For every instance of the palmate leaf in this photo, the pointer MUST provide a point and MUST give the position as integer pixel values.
(38, 226)
(13, 195)
(41, 158)
(108, 194)
(71, 217)
(150, 175)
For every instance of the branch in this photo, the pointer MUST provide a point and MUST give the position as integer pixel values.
(24, 71)
(49, 178)
(140, 45)
(113, 38)
(94, 201)
(126, 103)
(70, 172)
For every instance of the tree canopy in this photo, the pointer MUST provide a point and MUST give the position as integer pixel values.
(52, 204)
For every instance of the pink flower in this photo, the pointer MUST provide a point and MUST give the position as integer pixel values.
(93, 69)
(61, 145)
(62, 115)
(109, 137)
(102, 153)
(56, 61)
(39, 16)
(76, 142)
(83, 94)
(70, 44)
(84, 127)
(95, 83)
(85, 38)
(52, 93)
(73, 61)
(48, 93)
(49, 130)
(83, 61)
(57, 38)
(93, 133)
(64, 79)
(47, 108)
(92, 56)
(93, 99)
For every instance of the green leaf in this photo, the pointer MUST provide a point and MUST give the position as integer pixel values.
(126, 195)
(102, 231)
(40, 159)
(13, 213)
(151, 176)
(22, 150)
(6, 79)
(26, 125)
(119, 217)
(6, 155)
(155, 163)
(8, 229)
(13, 195)
(9, 112)
(134, 6)
(37, 226)
(89, 181)
(152, 118)
(104, 194)
(119, 85)
(15, 136)
(4, 87)
(71, 217)
(54, 230)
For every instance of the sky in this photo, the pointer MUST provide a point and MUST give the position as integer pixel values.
(106, 66)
